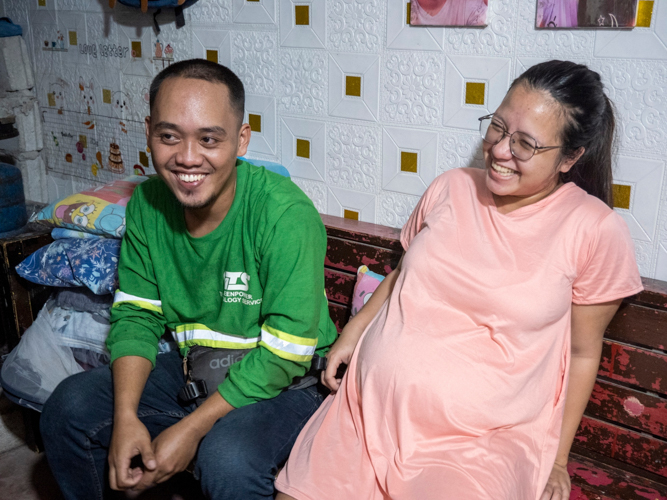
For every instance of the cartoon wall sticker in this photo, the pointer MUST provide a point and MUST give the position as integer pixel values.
(165, 56)
(115, 159)
(56, 94)
(57, 44)
(55, 139)
(87, 101)
(120, 102)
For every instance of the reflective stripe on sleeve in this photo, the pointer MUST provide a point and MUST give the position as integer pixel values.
(198, 334)
(287, 346)
(150, 304)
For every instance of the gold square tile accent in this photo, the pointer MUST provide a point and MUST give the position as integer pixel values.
(143, 159)
(475, 93)
(106, 96)
(136, 48)
(212, 55)
(644, 13)
(350, 214)
(621, 195)
(408, 162)
(353, 86)
(408, 12)
(51, 98)
(255, 122)
(72, 38)
(41, 3)
(83, 140)
(302, 15)
(303, 148)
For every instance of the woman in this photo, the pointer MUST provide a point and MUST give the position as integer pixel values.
(457, 386)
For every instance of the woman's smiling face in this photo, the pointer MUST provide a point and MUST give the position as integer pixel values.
(516, 183)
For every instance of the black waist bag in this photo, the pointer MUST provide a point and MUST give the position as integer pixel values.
(205, 369)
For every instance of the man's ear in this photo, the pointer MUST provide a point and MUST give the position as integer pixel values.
(147, 123)
(244, 139)
(569, 162)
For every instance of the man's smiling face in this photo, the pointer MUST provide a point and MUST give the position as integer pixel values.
(195, 137)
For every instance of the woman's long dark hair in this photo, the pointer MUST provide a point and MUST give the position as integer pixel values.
(589, 121)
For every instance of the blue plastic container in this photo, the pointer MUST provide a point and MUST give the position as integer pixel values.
(13, 214)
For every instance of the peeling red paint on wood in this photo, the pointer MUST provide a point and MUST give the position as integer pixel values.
(339, 286)
(641, 411)
(347, 256)
(339, 315)
(593, 480)
(636, 366)
(364, 232)
(654, 294)
(638, 325)
(628, 446)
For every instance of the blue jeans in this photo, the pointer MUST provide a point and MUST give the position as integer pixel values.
(237, 459)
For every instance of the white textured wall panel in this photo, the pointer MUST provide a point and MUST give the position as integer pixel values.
(412, 96)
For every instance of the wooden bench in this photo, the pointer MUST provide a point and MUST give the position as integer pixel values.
(620, 451)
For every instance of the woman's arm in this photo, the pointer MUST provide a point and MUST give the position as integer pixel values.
(588, 326)
(342, 350)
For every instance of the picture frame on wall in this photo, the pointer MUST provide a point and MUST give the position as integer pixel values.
(596, 14)
(448, 13)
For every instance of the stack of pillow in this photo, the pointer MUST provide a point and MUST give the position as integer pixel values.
(69, 333)
(87, 228)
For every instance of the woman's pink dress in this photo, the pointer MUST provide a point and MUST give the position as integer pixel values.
(456, 389)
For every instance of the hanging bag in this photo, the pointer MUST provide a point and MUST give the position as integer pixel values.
(177, 5)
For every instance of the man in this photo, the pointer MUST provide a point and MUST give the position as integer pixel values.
(223, 254)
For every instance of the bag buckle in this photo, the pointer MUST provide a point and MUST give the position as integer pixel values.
(193, 390)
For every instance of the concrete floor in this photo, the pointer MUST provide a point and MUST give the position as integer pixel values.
(25, 474)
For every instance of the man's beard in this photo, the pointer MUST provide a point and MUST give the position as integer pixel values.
(197, 205)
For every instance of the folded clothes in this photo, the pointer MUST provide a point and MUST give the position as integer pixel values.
(84, 300)
(58, 344)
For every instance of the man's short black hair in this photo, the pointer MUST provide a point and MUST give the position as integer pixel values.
(201, 69)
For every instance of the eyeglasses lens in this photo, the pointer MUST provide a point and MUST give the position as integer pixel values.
(521, 145)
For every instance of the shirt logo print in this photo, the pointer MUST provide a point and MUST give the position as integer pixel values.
(236, 282)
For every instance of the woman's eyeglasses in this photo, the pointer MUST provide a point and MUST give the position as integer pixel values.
(522, 146)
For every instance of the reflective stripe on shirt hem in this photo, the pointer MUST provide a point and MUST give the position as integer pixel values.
(150, 304)
(287, 346)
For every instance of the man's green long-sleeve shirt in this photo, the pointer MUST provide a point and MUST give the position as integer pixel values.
(256, 282)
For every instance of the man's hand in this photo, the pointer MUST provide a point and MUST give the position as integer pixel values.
(129, 439)
(558, 486)
(174, 449)
(176, 446)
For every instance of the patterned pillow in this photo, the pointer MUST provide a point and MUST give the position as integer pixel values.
(97, 210)
(75, 262)
(367, 283)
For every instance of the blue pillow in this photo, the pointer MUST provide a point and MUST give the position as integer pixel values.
(75, 262)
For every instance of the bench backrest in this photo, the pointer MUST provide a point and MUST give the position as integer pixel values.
(625, 423)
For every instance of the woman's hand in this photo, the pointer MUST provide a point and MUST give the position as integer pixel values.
(341, 352)
(558, 486)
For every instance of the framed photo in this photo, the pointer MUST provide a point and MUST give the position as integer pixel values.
(448, 12)
(586, 14)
